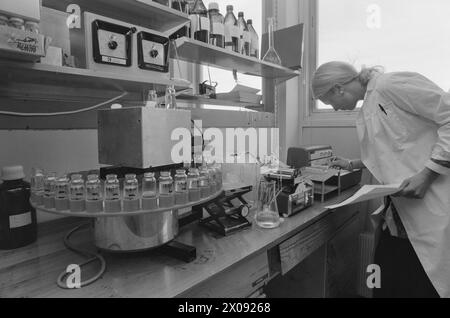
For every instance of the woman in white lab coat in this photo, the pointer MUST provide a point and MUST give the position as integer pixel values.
(404, 133)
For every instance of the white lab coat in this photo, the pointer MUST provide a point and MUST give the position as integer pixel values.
(404, 122)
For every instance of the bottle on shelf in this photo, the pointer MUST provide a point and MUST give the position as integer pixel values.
(77, 193)
(217, 34)
(17, 217)
(94, 202)
(244, 35)
(149, 197)
(37, 186)
(231, 31)
(166, 197)
(181, 190)
(170, 97)
(193, 188)
(254, 40)
(199, 22)
(271, 54)
(62, 193)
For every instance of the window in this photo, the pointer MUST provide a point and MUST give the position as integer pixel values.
(252, 10)
(400, 35)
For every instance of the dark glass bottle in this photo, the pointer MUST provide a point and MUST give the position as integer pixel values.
(17, 217)
(231, 31)
(244, 35)
(217, 34)
(199, 22)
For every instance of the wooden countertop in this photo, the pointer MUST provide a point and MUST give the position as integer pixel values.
(32, 271)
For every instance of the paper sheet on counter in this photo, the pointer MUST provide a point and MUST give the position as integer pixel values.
(368, 192)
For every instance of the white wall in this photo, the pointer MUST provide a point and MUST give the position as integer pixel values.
(56, 150)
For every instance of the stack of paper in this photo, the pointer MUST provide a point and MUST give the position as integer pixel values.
(243, 94)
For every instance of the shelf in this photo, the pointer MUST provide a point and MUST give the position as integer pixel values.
(146, 13)
(201, 53)
(30, 73)
(198, 100)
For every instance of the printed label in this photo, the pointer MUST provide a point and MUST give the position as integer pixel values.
(109, 59)
(218, 28)
(204, 24)
(19, 220)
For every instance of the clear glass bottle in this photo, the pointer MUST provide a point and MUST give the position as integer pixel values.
(181, 190)
(77, 189)
(166, 195)
(199, 22)
(50, 185)
(244, 35)
(217, 34)
(212, 179)
(130, 187)
(149, 185)
(193, 187)
(254, 40)
(32, 27)
(112, 188)
(93, 188)
(271, 54)
(203, 182)
(170, 98)
(62, 188)
(37, 185)
(4, 20)
(231, 31)
(17, 23)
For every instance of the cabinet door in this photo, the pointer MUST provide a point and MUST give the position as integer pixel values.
(241, 281)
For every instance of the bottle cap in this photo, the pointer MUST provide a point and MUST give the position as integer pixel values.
(249, 21)
(240, 14)
(213, 6)
(230, 8)
(12, 173)
(16, 20)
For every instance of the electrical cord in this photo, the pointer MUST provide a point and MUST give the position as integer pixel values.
(63, 113)
(63, 284)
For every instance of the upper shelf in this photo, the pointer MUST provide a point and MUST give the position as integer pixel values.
(205, 54)
(146, 13)
(32, 73)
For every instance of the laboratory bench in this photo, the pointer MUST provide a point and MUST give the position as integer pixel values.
(311, 254)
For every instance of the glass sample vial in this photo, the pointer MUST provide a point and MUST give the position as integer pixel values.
(203, 182)
(32, 27)
(193, 188)
(112, 194)
(17, 23)
(212, 179)
(130, 193)
(181, 191)
(49, 190)
(77, 193)
(62, 194)
(219, 177)
(149, 198)
(166, 197)
(94, 202)
(37, 186)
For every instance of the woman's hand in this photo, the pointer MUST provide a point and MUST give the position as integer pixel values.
(339, 163)
(417, 186)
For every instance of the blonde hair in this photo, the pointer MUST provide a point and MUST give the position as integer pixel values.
(333, 73)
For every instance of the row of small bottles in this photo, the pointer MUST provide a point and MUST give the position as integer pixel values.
(209, 26)
(93, 196)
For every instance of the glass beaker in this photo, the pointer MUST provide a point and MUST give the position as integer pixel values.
(272, 55)
(267, 215)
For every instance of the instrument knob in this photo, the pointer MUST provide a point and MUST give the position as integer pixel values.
(113, 45)
(154, 53)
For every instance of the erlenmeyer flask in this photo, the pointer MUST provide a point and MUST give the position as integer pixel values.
(271, 55)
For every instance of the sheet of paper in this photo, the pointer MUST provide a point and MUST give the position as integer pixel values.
(368, 192)
(246, 89)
